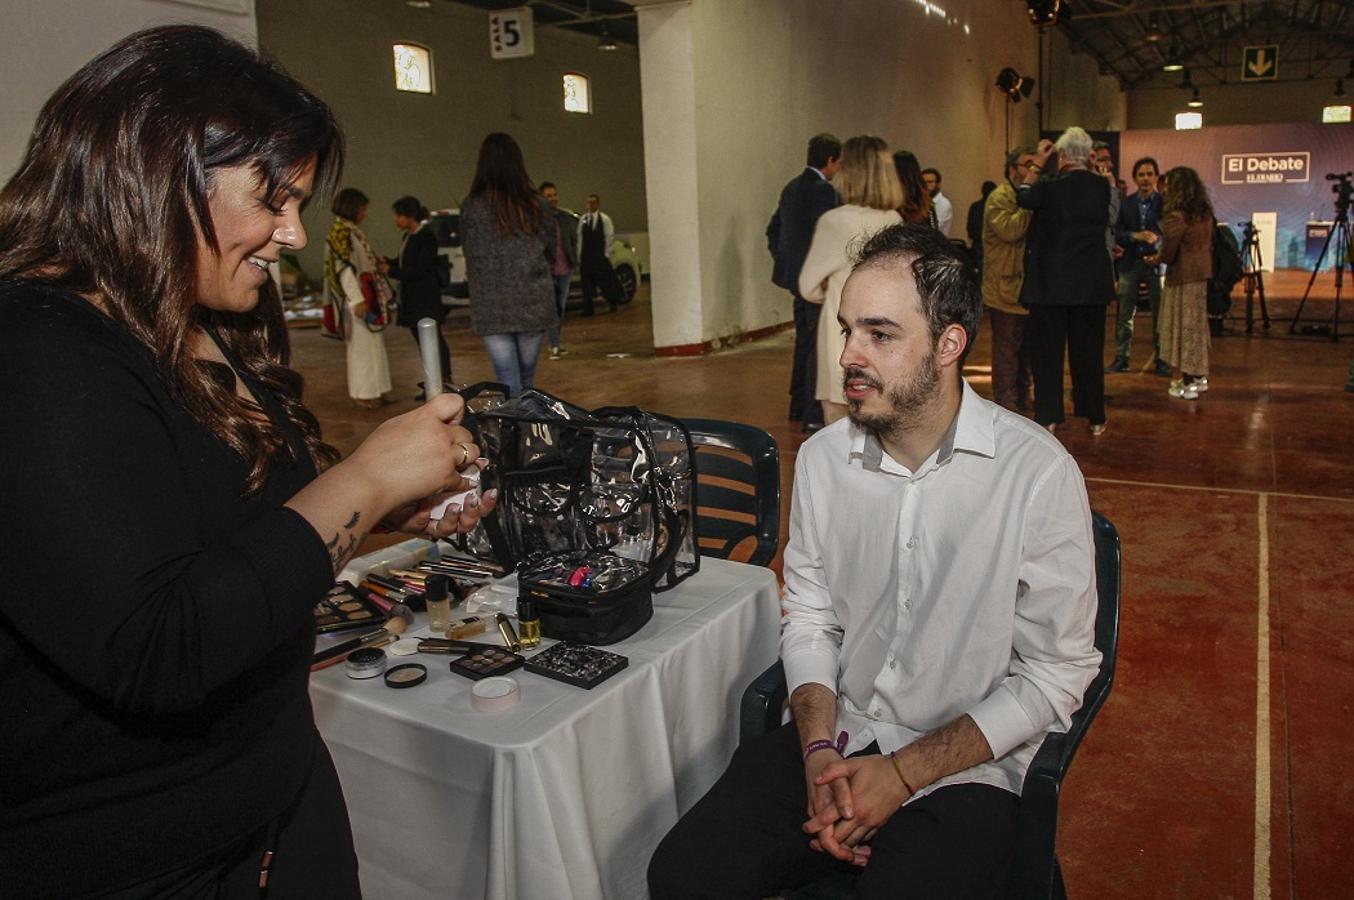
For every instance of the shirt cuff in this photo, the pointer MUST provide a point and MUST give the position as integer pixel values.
(810, 665)
(1003, 721)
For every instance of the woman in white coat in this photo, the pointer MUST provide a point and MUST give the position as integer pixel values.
(348, 259)
(870, 194)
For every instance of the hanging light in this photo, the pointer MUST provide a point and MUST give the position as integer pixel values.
(1186, 82)
(1196, 101)
(1153, 33)
(606, 42)
(1339, 87)
(418, 4)
(1172, 63)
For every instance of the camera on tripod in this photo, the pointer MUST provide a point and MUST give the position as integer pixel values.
(1343, 190)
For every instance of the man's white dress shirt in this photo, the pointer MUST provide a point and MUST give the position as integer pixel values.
(967, 586)
(944, 212)
(608, 230)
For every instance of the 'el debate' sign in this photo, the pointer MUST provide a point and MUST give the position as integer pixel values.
(1266, 168)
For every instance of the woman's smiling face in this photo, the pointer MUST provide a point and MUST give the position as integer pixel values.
(251, 231)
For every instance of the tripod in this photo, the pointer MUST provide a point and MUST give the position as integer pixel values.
(1339, 233)
(1253, 275)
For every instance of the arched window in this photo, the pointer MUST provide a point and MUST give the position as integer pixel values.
(413, 68)
(577, 93)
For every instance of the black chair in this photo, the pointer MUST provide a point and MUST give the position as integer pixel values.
(737, 490)
(1035, 872)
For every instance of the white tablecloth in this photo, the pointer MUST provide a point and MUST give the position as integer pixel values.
(567, 794)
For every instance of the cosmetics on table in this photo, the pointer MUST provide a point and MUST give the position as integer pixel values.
(581, 665)
(495, 694)
(467, 627)
(436, 596)
(366, 662)
(406, 676)
(345, 607)
(486, 662)
(505, 630)
(529, 620)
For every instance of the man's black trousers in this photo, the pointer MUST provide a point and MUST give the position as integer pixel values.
(745, 837)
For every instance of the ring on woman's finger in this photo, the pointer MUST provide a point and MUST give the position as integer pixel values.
(465, 455)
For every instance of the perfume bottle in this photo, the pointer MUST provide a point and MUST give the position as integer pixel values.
(435, 593)
(529, 621)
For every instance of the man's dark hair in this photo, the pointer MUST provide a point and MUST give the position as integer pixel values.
(410, 208)
(987, 188)
(1013, 157)
(1099, 145)
(349, 203)
(544, 185)
(823, 148)
(935, 172)
(947, 282)
(1156, 169)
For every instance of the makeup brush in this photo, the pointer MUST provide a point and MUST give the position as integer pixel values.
(395, 625)
(387, 638)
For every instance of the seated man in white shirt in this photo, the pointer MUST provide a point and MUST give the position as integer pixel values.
(939, 617)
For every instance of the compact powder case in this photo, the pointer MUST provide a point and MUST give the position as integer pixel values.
(345, 607)
(406, 676)
(366, 662)
(486, 662)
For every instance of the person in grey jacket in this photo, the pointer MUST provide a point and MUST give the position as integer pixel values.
(509, 236)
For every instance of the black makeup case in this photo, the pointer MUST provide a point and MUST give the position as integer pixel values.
(611, 490)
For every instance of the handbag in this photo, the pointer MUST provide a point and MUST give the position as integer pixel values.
(594, 493)
(379, 300)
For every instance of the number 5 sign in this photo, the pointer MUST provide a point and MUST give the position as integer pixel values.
(511, 33)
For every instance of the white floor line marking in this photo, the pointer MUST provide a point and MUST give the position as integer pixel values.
(1215, 490)
(1262, 770)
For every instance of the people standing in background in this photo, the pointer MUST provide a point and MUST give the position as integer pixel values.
(1138, 234)
(1187, 251)
(1069, 278)
(917, 208)
(595, 233)
(562, 263)
(1102, 163)
(870, 194)
(788, 235)
(974, 226)
(509, 235)
(944, 208)
(1004, 226)
(416, 270)
(349, 264)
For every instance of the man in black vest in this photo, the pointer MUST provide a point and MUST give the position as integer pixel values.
(595, 233)
(804, 199)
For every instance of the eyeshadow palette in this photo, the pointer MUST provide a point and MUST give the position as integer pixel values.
(486, 661)
(345, 607)
(578, 664)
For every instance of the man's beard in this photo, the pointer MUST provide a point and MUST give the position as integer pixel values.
(907, 399)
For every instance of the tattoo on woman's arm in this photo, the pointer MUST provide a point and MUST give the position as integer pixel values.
(343, 544)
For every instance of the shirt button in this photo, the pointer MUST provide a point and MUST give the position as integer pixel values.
(893, 663)
(876, 713)
(911, 542)
(907, 604)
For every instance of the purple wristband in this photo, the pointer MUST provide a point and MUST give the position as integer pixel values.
(822, 744)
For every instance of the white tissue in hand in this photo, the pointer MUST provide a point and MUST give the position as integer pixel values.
(471, 476)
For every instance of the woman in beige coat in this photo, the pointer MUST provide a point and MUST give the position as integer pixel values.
(1187, 251)
(870, 194)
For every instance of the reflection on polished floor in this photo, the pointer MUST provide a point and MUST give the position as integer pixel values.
(1219, 767)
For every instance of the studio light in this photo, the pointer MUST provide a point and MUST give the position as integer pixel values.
(1043, 12)
(1014, 85)
(1195, 102)
(1172, 63)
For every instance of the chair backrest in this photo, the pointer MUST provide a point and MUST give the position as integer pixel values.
(737, 490)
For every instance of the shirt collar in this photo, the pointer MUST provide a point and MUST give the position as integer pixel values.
(818, 172)
(971, 432)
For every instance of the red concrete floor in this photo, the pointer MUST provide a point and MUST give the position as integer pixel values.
(1162, 799)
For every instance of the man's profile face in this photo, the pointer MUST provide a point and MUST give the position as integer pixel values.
(551, 195)
(593, 203)
(1145, 176)
(889, 363)
(1022, 166)
(932, 182)
(833, 165)
(1103, 163)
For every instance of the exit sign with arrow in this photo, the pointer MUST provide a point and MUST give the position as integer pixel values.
(1260, 63)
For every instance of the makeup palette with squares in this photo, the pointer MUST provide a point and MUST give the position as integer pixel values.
(486, 661)
(581, 665)
(346, 607)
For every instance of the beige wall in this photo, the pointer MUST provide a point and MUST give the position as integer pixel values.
(1237, 104)
(1076, 93)
(768, 74)
(401, 143)
(43, 42)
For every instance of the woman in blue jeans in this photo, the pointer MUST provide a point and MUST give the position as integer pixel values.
(509, 236)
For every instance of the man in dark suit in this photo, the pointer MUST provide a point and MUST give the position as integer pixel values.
(595, 233)
(1138, 232)
(416, 269)
(788, 235)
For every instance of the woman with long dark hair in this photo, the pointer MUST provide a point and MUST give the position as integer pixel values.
(416, 269)
(1187, 250)
(917, 208)
(353, 283)
(153, 680)
(509, 236)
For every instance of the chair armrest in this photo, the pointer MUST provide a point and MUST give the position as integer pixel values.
(762, 703)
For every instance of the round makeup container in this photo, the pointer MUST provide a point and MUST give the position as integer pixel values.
(367, 662)
(406, 676)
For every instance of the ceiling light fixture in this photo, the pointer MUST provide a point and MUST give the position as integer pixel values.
(1043, 12)
(1196, 101)
(1339, 87)
(1153, 33)
(606, 42)
(1186, 82)
(1172, 63)
(418, 4)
